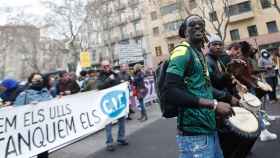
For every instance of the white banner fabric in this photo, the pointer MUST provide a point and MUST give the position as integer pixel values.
(32, 129)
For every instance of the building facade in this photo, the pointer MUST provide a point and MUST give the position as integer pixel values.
(256, 21)
(114, 23)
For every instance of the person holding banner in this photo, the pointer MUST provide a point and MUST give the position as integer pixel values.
(9, 90)
(35, 93)
(106, 79)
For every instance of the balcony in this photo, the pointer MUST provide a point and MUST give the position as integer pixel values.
(233, 2)
(133, 2)
(137, 33)
(241, 17)
(170, 34)
(135, 17)
(121, 22)
(120, 7)
(125, 36)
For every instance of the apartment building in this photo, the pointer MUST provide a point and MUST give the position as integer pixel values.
(256, 21)
(115, 23)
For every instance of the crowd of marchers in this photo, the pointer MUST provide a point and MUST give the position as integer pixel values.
(43, 87)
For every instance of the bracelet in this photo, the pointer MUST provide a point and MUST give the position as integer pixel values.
(215, 104)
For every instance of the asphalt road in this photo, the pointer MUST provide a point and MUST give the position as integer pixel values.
(157, 140)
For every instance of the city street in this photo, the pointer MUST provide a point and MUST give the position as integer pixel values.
(157, 140)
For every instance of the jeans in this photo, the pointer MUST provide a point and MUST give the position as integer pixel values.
(121, 132)
(261, 120)
(202, 146)
(142, 105)
(272, 81)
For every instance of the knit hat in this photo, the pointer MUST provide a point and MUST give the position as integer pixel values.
(265, 53)
(214, 38)
(9, 83)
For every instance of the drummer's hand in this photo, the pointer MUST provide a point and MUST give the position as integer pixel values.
(224, 109)
(238, 61)
(234, 101)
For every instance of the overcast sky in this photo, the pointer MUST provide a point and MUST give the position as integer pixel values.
(32, 7)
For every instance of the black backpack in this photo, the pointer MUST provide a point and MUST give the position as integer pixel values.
(168, 110)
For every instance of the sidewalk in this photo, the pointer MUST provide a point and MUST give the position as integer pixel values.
(96, 142)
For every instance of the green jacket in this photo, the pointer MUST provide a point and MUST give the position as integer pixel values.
(193, 120)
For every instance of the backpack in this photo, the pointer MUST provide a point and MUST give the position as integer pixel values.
(168, 110)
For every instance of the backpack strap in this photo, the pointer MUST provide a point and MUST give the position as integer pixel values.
(188, 71)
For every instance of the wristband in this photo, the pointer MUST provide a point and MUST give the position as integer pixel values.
(215, 104)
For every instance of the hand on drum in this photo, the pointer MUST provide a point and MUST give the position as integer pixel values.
(238, 61)
(234, 101)
(224, 109)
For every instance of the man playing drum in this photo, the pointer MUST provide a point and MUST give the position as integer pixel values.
(247, 74)
(188, 86)
(233, 145)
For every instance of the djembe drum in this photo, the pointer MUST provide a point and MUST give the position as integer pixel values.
(250, 102)
(239, 134)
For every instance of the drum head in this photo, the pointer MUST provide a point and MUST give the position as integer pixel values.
(252, 100)
(264, 86)
(244, 123)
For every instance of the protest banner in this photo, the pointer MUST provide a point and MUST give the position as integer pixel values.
(151, 93)
(150, 85)
(32, 129)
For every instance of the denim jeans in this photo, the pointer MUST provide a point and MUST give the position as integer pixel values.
(142, 104)
(272, 81)
(202, 146)
(121, 132)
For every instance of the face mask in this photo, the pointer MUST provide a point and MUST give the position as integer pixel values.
(37, 86)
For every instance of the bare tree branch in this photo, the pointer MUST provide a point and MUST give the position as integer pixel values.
(221, 21)
(275, 4)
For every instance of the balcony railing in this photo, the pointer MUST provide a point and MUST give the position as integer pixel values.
(170, 34)
(133, 2)
(138, 33)
(241, 17)
(135, 17)
(120, 6)
(121, 22)
(125, 36)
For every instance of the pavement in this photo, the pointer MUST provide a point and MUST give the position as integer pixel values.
(156, 139)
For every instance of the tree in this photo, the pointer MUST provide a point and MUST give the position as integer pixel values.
(65, 20)
(4, 44)
(101, 14)
(214, 12)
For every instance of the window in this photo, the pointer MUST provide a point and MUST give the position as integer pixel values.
(171, 46)
(234, 34)
(139, 41)
(137, 26)
(156, 31)
(213, 16)
(172, 26)
(252, 30)
(158, 51)
(154, 15)
(265, 4)
(272, 26)
(168, 9)
(238, 8)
